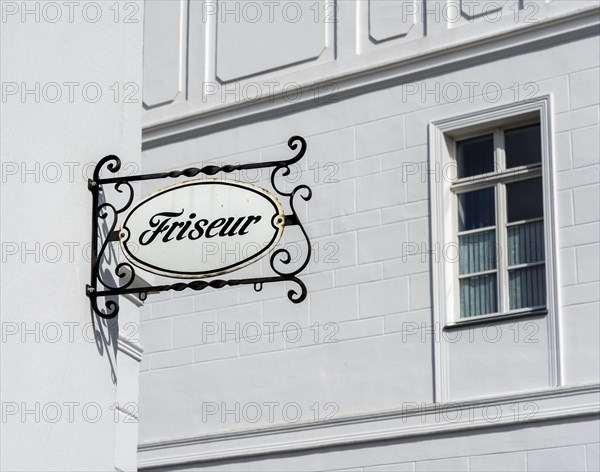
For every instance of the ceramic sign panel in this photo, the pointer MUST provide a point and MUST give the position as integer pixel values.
(202, 228)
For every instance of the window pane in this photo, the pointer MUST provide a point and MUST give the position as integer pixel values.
(476, 209)
(523, 146)
(524, 200)
(478, 295)
(475, 156)
(477, 252)
(527, 287)
(526, 243)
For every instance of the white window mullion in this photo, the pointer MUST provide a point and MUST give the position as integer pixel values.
(503, 250)
(502, 253)
(468, 184)
(455, 239)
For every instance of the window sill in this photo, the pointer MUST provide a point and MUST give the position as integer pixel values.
(496, 318)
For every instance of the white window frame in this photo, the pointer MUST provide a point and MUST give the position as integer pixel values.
(491, 180)
(443, 135)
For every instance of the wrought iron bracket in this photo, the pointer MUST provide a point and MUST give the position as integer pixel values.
(105, 216)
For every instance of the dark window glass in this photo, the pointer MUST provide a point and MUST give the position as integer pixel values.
(524, 200)
(523, 146)
(475, 156)
(527, 287)
(477, 252)
(478, 295)
(526, 243)
(476, 209)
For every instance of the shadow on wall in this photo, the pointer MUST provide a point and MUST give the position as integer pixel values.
(106, 331)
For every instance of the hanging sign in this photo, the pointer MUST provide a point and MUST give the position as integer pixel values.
(195, 229)
(202, 228)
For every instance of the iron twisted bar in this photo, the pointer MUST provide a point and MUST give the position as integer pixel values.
(124, 270)
(197, 285)
(206, 170)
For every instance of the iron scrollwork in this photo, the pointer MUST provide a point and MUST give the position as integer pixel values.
(109, 283)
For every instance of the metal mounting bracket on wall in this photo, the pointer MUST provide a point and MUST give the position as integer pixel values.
(105, 217)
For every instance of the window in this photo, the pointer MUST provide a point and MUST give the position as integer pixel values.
(492, 215)
(500, 222)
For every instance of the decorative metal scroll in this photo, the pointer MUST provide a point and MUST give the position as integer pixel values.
(109, 283)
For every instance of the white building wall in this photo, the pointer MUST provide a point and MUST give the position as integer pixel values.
(205, 371)
(66, 373)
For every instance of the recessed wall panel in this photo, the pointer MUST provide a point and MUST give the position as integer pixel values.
(498, 359)
(390, 19)
(257, 37)
(472, 9)
(163, 55)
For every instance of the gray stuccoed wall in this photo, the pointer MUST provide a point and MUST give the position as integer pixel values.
(65, 373)
(353, 378)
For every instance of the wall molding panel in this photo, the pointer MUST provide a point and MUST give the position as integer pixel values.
(413, 420)
(165, 46)
(389, 20)
(190, 119)
(252, 40)
(196, 63)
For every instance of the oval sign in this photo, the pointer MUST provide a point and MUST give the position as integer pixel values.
(202, 228)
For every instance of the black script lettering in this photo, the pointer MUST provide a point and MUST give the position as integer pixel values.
(167, 225)
(198, 229)
(248, 223)
(186, 226)
(214, 225)
(158, 221)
